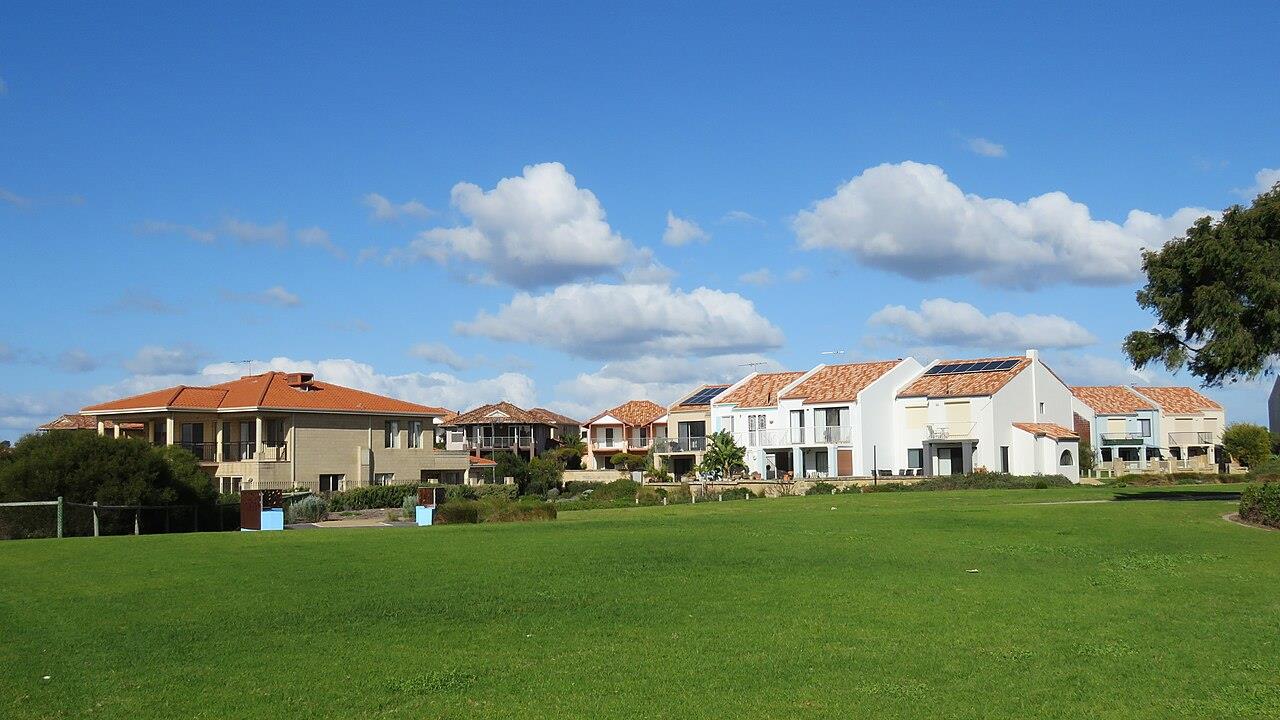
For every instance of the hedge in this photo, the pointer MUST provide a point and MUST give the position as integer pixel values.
(976, 481)
(372, 497)
(1261, 504)
(494, 509)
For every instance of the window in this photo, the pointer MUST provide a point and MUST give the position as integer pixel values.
(229, 484)
(415, 433)
(915, 458)
(274, 429)
(1004, 458)
(391, 436)
(1144, 427)
(384, 478)
(1066, 459)
(160, 435)
(332, 483)
(608, 437)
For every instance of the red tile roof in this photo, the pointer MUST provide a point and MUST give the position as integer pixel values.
(635, 413)
(1051, 430)
(760, 391)
(1111, 399)
(839, 383)
(508, 413)
(86, 422)
(268, 391)
(551, 417)
(964, 384)
(1178, 399)
(477, 461)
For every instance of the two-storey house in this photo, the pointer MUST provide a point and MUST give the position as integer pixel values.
(1190, 425)
(688, 424)
(285, 430)
(631, 427)
(504, 427)
(1123, 428)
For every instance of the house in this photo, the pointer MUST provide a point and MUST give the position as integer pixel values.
(88, 422)
(748, 411)
(630, 427)
(284, 430)
(690, 417)
(1120, 425)
(504, 427)
(1190, 425)
(1005, 414)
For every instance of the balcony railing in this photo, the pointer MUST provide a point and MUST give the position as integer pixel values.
(237, 451)
(830, 435)
(204, 451)
(680, 445)
(1190, 438)
(1120, 437)
(499, 442)
(950, 430)
(764, 438)
(639, 443)
(608, 444)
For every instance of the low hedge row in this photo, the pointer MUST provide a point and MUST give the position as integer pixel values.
(494, 509)
(372, 497)
(976, 481)
(1163, 479)
(1261, 504)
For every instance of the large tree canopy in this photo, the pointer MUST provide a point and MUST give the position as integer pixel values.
(1216, 296)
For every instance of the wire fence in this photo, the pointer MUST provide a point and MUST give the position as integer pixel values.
(59, 518)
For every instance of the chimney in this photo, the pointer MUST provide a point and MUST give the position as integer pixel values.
(298, 379)
(1033, 354)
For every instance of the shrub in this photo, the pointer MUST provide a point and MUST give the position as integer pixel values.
(1261, 504)
(648, 495)
(977, 481)
(738, 493)
(628, 461)
(1268, 469)
(1158, 479)
(371, 497)
(544, 474)
(820, 488)
(510, 465)
(409, 507)
(309, 509)
(622, 488)
(523, 510)
(457, 512)
(481, 492)
(1248, 443)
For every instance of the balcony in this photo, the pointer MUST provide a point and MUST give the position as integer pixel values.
(680, 445)
(950, 430)
(1184, 439)
(236, 451)
(638, 443)
(608, 444)
(500, 442)
(1123, 438)
(830, 435)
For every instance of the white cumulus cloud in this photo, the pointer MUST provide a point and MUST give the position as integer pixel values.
(530, 231)
(910, 219)
(604, 321)
(1263, 180)
(252, 233)
(682, 232)
(157, 360)
(940, 321)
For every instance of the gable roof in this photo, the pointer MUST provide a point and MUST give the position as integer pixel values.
(1050, 430)
(633, 412)
(506, 412)
(86, 422)
(268, 391)
(964, 384)
(1111, 399)
(551, 417)
(761, 390)
(1178, 399)
(837, 383)
(680, 404)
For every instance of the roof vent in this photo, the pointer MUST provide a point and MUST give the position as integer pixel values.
(298, 380)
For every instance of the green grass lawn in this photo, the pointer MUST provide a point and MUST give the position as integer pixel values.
(844, 606)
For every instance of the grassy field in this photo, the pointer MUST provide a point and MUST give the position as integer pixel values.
(845, 606)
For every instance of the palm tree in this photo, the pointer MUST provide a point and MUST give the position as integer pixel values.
(723, 456)
(572, 448)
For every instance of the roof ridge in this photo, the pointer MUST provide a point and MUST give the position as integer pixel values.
(271, 376)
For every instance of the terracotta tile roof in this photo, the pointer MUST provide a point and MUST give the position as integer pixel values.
(494, 412)
(482, 461)
(679, 404)
(838, 383)
(1111, 399)
(268, 391)
(449, 417)
(1178, 399)
(553, 418)
(86, 422)
(964, 384)
(761, 390)
(1051, 430)
(634, 413)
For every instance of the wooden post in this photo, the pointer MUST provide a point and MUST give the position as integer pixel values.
(95, 518)
(59, 516)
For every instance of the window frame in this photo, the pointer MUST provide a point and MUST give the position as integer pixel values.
(391, 434)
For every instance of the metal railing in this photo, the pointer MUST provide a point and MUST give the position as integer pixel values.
(638, 442)
(830, 435)
(499, 442)
(608, 444)
(204, 451)
(680, 445)
(764, 438)
(1121, 436)
(1190, 438)
(948, 430)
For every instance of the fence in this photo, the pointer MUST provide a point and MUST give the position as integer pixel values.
(60, 518)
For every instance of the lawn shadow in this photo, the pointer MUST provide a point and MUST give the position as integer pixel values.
(1179, 495)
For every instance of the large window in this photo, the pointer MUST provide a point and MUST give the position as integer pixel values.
(332, 483)
(274, 429)
(415, 433)
(1144, 426)
(229, 484)
(384, 478)
(391, 434)
(1066, 458)
(1004, 458)
(161, 434)
(915, 458)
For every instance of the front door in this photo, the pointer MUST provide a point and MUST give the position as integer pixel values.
(945, 456)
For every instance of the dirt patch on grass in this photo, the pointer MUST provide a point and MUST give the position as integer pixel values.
(1235, 518)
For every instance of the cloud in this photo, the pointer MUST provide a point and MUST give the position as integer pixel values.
(1078, 369)
(647, 270)
(799, 274)
(252, 233)
(380, 208)
(439, 353)
(14, 199)
(1263, 181)
(140, 301)
(530, 231)
(319, 237)
(77, 360)
(613, 321)
(910, 219)
(275, 295)
(164, 227)
(985, 147)
(763, 276)
(740, 217)
(949, 323)
(157, 360)
(682, 232)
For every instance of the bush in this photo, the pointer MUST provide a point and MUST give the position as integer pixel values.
(309, 509)
(738, 493)
(628, 461)
(371, 497)
(523, 510)
(1268, 469)
(976, 481)
(1249, 444)
(1159, 479)
(510, 465)
(505, 492)
(620, 489)
(409, 507)
(820, 488)
(544, 474)
(1261, 504)
(457, 512)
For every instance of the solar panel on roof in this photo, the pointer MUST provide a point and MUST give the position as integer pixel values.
(971, 367)
(704, 396)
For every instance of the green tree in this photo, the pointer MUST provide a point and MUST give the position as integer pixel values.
(510, 465)
(83, 467)
(545, 473)
(1087, 459)
(1248, 443)
(627, 461)
(572, 448)
(723, 456)
(1215, 293)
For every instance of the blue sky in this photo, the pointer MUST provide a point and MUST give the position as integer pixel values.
(567, 207)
